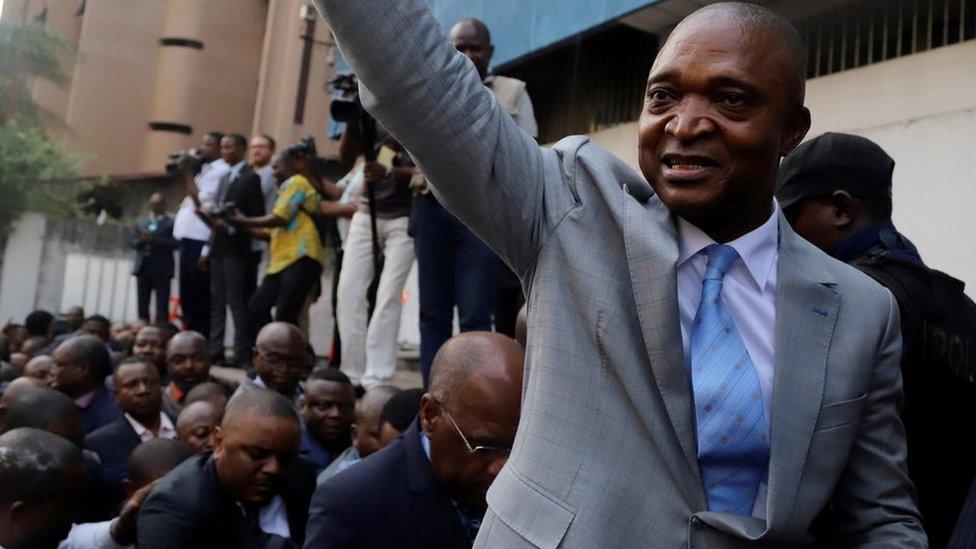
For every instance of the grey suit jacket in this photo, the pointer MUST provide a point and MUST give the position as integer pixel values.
(606, 449)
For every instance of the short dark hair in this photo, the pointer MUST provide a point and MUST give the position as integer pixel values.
(238, 139)
(271, 142)
(40, 408)
(402, 409)
(34, 463)
(132, 360)
(99, 319)
(153, 456)
(204, 391)
(264, 402)
(217, 136)
(38, 322)
(91, 350)
(328, 373)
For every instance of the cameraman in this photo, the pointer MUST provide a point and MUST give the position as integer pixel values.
(192, 233)
(297, 254)
(233, 261)
(369, 345)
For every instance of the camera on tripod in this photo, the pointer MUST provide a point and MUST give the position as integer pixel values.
(347, 107)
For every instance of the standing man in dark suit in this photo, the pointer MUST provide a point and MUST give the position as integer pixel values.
(80, 366)
(139, 394)
(154, 265)
(233, 260)
(428, 488)
(253, 491)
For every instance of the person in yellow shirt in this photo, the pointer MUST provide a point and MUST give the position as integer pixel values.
(296, 251)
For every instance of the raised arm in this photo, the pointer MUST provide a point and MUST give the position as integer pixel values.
(486, 171)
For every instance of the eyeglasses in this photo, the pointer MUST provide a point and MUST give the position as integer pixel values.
(482, 451)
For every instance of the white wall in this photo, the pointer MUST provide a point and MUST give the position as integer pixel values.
(21, 267)
(922, 110)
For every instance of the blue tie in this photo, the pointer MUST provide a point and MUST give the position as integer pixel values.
(733, 434)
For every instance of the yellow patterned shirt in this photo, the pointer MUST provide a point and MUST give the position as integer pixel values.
(297, 199)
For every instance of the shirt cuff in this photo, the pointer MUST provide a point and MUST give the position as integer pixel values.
(205, 251)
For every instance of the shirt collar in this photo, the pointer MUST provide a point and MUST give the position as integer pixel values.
(757, 248)
(166, 429)
(257, 381)
(236, 168)
(85, 400)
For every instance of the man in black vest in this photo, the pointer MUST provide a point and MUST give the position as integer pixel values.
(836, 192)
(253, 491)
(233, 255)
(154, 266)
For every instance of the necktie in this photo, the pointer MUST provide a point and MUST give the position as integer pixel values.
(733, 433)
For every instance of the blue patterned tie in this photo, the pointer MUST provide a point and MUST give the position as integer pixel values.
(733, 434)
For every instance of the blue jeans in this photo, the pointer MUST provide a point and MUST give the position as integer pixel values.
(455, 268)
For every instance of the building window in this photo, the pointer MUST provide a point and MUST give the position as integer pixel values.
(182, 43)
(873, 31)
(170, 127)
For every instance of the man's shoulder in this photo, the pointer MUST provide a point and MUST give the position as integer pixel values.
(188, 486)
(582, 160)
(109, 435)
(372, 482)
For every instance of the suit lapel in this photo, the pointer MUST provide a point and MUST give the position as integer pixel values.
(806, 312)
(438, 521)
(652, 255)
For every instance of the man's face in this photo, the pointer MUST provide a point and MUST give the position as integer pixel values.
(327, 410)
(210, 149)
(261, 151)
(281, 170)
(815, 219)
(75, 316)
(253, 454)
(150, 344)
(230, 151)
(485, 421)
(137, 390)
(156, 204)
(473, 43)
(96, 328)
(188, 362)
(195, 430)
(718, 114)
(67, 375)
(281, 363)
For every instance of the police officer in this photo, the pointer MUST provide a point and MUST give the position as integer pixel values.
(836, 192)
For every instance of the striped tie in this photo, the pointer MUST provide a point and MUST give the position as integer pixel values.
(733, 434)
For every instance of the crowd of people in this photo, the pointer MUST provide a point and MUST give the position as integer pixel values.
(708, 356)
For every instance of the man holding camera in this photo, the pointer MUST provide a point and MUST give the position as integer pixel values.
(202, 171)
(231, 256)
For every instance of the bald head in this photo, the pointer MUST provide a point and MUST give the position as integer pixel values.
(472, 38)
(753, 24)
(153, 459)
(281, 357)
(48, 410)
(16, 389)
(257, 402)
(186, 340)
(483, 357)
(196, 423)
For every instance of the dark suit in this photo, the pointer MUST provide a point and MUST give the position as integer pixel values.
(102, 410)
(190, 509)
(154, 264)
(113, 443)
(390, 499)
(234, 264)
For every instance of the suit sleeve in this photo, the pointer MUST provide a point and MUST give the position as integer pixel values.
(329, 523)
(253, 197)
(135, 243)
(162, 522)
(874, 500)
(164, 238)
(481, 166)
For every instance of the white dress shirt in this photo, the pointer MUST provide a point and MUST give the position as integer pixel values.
(188, 224)
(91, 535)
(166, 429)
(749, 292)
(273, 517)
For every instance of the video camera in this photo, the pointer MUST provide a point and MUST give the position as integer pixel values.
(347, 107)
(181, 159)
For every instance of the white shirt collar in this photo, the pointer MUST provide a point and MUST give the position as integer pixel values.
(757, 248)
(166, 429)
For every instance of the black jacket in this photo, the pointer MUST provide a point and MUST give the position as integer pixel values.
(189, 509)
(154, 258)
(113, 443)
(244, 192)
(390, 499)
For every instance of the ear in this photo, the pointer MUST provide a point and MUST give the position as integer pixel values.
(302, 402)
(429, 411)
(217, 439)
(794, 132)
(18, 510)
(845, 209)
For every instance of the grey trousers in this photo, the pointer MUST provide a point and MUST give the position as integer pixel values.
(233, 280)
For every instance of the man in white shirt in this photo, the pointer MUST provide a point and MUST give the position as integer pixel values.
(193, 234)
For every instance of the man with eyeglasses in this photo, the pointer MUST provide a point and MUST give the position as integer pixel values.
(428, 488)
(280, 361)
(326, 409)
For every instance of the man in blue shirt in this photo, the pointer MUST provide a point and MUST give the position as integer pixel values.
(326, 409)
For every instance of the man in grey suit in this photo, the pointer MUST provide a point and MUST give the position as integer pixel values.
(698, 375)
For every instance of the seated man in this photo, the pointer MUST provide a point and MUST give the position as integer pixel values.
(398, 414)
(14, 390)
(327, 410)
(188, 365)
(253, 491)
(195, 425)
(280, 360)
(41, 475)
(365, 432)
(150, 461)
(428, 488)
(150, 343)
(139, 395)
(80, 366)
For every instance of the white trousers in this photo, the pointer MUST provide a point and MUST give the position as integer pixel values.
(369, 345)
